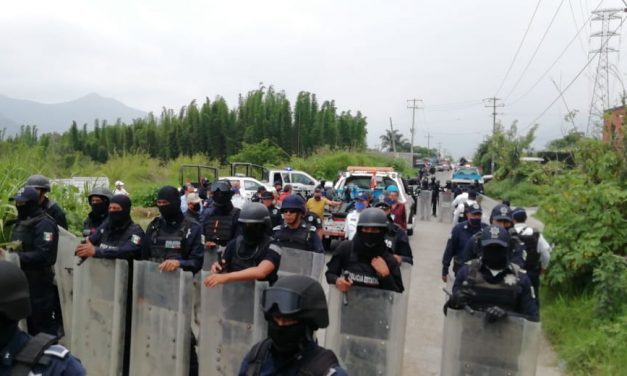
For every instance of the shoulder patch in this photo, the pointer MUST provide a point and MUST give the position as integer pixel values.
(136, 239)
(312, 228)
(275, 211)
(310, 218)
(276, 228)
(57, 351)
(48, 236)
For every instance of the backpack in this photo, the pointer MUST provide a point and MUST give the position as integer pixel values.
(531, 245)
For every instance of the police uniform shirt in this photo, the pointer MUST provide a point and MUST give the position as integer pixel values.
(282, 232)
(312, 219)
(122, 243)
(361, 272)
(56, 360)
(275, 216)
(526, 303)
(266, 252)
(40, 239)
(461, 234)
(191, 256)
(398, 241)
(54, 210)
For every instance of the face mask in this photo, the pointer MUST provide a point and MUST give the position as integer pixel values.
(169, 212)
(99, 209)
(369, 245)
(287, 339)
(221, 198)
(253, 233)
(118, 218)
(495, 257)
(390, 201)
(359, 206)
(474, 222)
(29, 209)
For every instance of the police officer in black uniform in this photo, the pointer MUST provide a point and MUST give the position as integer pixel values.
(250, 256)
(434, 186)
(99, 202)
(501, 215)
(172, 239)
(461, 234)
(40, 237)
(366, 258)
(21, 354)
(492, 283)
(118, 238)
(396, 238)
(42, 185)
(295, 307)
(295, 232)
(220, 220)
(267, 199)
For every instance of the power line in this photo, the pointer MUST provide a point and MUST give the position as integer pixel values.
(519, 47)
(548, 70)
(572, 13)
(572, 81)
(535, 52)
(413, 106)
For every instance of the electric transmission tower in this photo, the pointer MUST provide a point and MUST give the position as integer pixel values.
(610, 20)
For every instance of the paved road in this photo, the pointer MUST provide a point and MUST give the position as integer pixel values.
(425, 318)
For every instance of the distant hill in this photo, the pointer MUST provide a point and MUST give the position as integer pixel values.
(58, 117)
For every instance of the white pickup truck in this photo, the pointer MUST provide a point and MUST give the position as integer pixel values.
(357, 179)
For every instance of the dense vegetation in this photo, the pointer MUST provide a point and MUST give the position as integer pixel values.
(214, 130)
(584, 209)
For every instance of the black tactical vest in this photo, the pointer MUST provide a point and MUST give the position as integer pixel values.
(219, 227)
(111, 240)
(23, 231)
(501, 294)
(169, 245)
(296, 239)
(241, 259)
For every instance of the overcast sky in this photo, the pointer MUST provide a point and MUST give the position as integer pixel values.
(366, 55)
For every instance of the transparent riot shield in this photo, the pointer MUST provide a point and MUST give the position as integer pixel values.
(64, 278)
(210, 255)
(296, 261)
(161, 325)
(10, 257)
(472, 346)
(232, 322)
(424, 206)
(367, 330)
(446, 207)
(99, 317)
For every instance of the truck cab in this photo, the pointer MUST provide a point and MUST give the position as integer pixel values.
(302, 183)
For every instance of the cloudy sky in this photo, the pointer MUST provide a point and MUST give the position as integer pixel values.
(367, 55)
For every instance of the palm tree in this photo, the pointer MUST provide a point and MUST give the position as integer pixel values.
(392, 140)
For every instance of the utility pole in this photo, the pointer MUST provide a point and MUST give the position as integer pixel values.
(439, 150)
(429, 137)
(413, 105)
(494, 105)
(392, 136)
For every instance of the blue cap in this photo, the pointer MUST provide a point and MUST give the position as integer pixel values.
(519, 215)
(474, 209)
(392, 188)
(363, 196)
(26, 194)
(495, 235)
(501, 212)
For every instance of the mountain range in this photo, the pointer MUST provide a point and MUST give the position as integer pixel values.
(58, 117)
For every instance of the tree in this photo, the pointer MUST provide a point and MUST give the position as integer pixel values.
(393, 139)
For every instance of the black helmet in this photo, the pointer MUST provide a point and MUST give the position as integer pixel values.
(294, 202)
(221, 186)
(15, 298)
(299, 297)
(254, 212)
(101, 192)
(38, 181)
(372, 217)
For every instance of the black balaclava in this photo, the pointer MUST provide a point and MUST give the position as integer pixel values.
(288, 340)
(28, 210)
(119, 219)
(99, 211)
(172, 211)
(253, 233)
(369, 245)
(495, 256)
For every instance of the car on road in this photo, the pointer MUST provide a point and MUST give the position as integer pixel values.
(247, 185)
(466, 175)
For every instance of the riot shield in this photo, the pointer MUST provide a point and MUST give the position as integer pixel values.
(64, 277)
(232, 322)
(99, 317)
(296, 261)
(446, 207)
(161, 325)
(10, 257)
(367, 330)
(471, 346)
(210, 255)
(424, 206)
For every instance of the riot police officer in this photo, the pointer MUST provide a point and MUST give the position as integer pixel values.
(294, 232)
(119, 237)
(99, 202)
(250, 256)
(267, 199)
(42, 185)
(460, 236)
(492, 283)
(396, 238)
(501, 215)
(366, 258)
(22, 354)
(40, 237)
(172, 239)
(295, 307)
(220, 220)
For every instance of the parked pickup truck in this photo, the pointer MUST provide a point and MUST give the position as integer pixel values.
(358, 179)
(466, 175)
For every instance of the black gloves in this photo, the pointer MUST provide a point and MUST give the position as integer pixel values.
(494, 314)
(459, 299)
